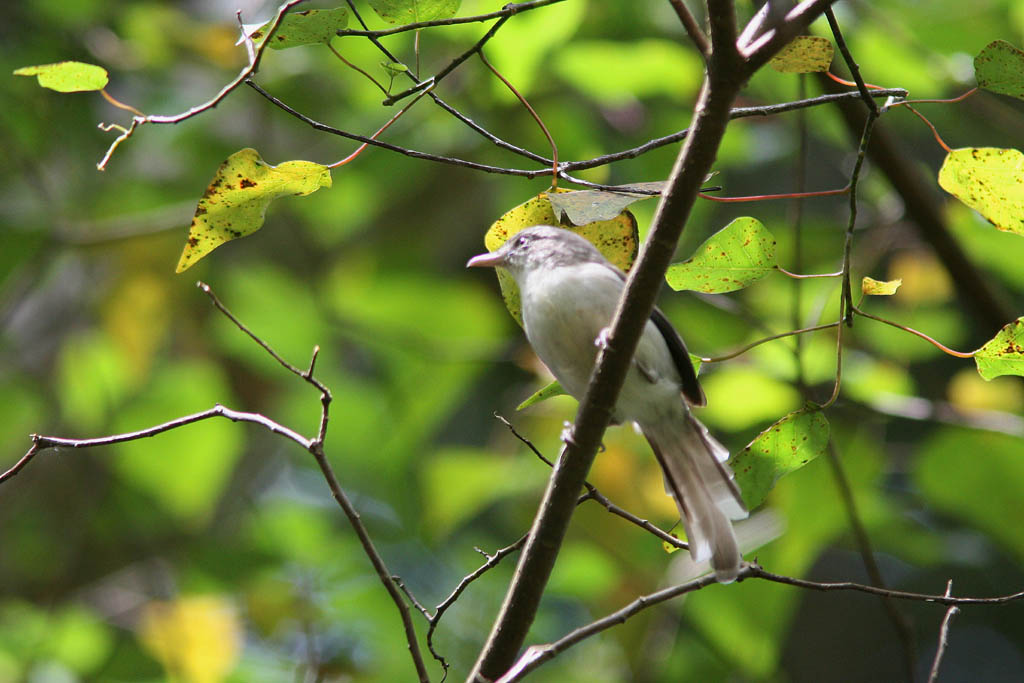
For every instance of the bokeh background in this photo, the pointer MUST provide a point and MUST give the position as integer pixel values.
(215, 552)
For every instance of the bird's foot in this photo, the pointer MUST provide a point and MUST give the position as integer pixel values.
(603, 337)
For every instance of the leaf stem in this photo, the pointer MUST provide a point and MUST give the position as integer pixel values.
(533, 113)
(939, 345)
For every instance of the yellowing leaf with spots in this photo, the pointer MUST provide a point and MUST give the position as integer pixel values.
(1004, 354)
(785, 447)
(736, 256)
(618, 239)
(875, 287)
(999, 67)
(235, 203)
(196, 639)
(804, 55)
(67, 76)
(990, 181)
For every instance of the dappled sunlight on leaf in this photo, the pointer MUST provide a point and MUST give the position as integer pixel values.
(990, 181)
(67, 76)
(784, 447)
(735, 257)
(805, 54)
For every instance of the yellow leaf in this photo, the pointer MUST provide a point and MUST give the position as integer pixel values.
(805, 54)
(874, 287)
(196, 639)
(990, 181)
(618, 239)
(236, 201)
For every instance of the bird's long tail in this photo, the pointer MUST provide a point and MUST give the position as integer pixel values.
(702, 484)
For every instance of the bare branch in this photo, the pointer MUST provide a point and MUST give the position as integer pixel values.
(436, 78)
(943, 636)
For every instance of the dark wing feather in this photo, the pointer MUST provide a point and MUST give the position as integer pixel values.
(688, 382)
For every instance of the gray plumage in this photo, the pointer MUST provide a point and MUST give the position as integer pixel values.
(569, 293)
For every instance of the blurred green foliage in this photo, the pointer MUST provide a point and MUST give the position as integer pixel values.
(97, 335)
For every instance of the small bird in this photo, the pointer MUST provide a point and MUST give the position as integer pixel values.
(569, 293)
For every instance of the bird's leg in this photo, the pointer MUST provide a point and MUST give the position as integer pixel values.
(602, 338)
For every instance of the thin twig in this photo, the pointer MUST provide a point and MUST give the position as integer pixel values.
(939, 345)
(598, 497)
(433, 620)
(847, 300)
(851, 64)
(533, 113)
(359, 150)
(505, 12)
(452, 65)
(356, 68)
(933, 675)
(119, 104)
(935, 132)
(899, 620)
(743, 349)
(537, 655)
(693, 30)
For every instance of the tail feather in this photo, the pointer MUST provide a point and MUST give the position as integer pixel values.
(703, 488)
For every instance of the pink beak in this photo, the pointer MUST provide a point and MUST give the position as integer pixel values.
(488, 260)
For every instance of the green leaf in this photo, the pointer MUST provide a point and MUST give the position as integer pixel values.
(785, 447)
(1004, 354)
(804, 55)
(580, 207)
(618, 72)
(873, 287)
(460, 482)
(736, 256)
(413, 11)
(618, 239)
(236, 201)
(310, 27)
(999, 67)
(67, 76)
(990, 181)
(543, 394)
(976, 476)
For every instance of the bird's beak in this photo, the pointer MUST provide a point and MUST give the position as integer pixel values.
(488, 260)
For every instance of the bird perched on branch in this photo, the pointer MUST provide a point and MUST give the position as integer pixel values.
(569, 294)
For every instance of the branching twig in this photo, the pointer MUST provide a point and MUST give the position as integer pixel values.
(899, 620)
(943, 636)
(452, 65)
(537, 655)
(851, 64)
(692, 28)
(505, 12)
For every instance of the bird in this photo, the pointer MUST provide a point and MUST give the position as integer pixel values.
(569, 293)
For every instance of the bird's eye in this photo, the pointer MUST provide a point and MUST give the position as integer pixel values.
(522, 242)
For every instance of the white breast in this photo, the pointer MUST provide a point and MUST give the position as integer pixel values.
(564, 311)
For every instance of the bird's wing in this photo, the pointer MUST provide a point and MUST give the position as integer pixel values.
(688, 382)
